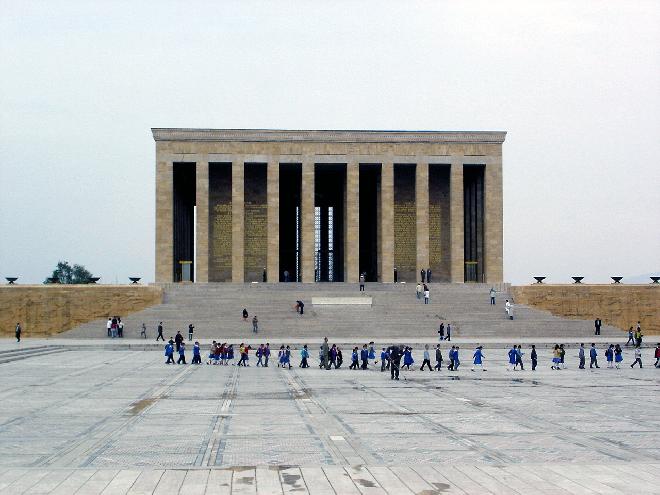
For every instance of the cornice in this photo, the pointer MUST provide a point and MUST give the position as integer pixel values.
(272, 135)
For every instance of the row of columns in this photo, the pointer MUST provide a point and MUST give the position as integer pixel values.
(493, 220)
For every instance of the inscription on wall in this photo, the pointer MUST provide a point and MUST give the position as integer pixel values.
(256, 235)
(220, 236)
(220, 243)
(405, 223)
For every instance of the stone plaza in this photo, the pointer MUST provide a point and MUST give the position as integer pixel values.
(91, 421)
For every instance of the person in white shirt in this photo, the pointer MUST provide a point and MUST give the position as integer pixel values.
(427, 359)
(426, 296)
(638, 357)
(418, 291)
(109, 327)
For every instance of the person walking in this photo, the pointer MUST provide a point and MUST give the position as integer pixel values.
(169, 353)
(362, 282)
(609, 356)
(245, 314)
(657, 356)
(255, 324)
(534, 357)
(178, 340)
(438, 358)
(364, 356)
(427, 359)
(354, 360)
(197, 356)
(441, 331)
(182, 354)
(304, 354)
(457, 359)
(618, 356)
(562, 356)
(478, 357)
(408, 360)
(383, 359)
(507, 307)
(266, 354)
(160, 332)
(555, 358)
(581, 356)
(427, 295)
(325, 354)
(448, 337)
(512, 359)
(143, 331)
(492, 296)
(638, 336)
(260, 355)
(597, 324)
(638, 357)
(631, 338)
(395, 361)
(593, 356)
(450, 355)
(418, 291)
(18, 331)
(191, 329)
(519, 360)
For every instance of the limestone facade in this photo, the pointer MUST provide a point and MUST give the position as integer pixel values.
(307, 222)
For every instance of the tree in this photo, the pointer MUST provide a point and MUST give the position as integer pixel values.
(76, 274)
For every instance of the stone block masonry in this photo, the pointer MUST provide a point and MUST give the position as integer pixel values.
(618, 305)
(51, 309)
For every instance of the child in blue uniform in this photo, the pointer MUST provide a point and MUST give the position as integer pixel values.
(407, 358)
(197, 357)
(618, 356)
(512, 359)
(457, 360)
(478, 358)
(383, 359)
(354, 359)
(169, 353)
(372, 351)
(609, 356)
(364, 356)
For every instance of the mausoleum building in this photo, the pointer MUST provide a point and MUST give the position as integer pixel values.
(326, 206)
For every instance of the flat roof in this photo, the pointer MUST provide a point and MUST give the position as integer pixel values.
(332, 136)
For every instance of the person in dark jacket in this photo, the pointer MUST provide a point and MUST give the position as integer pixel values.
(395, 361)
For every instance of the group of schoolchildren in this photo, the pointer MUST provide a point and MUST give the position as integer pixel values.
(223, 354)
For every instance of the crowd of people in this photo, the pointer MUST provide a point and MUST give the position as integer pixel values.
(393, 358)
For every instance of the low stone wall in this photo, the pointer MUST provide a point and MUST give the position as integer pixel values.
(618, 305)
(50, 309)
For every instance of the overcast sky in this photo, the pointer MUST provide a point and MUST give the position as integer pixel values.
(576, 85)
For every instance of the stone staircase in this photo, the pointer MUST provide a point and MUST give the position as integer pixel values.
(7, 356)
(215, 310)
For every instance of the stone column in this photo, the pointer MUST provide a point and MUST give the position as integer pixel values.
(456, 219)
(164, 219)
(307, 194)
(387, 221)
(202, 204)
(273, 195)
(237, 220)
(422, 202)
(352, 240)
(493, 222)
